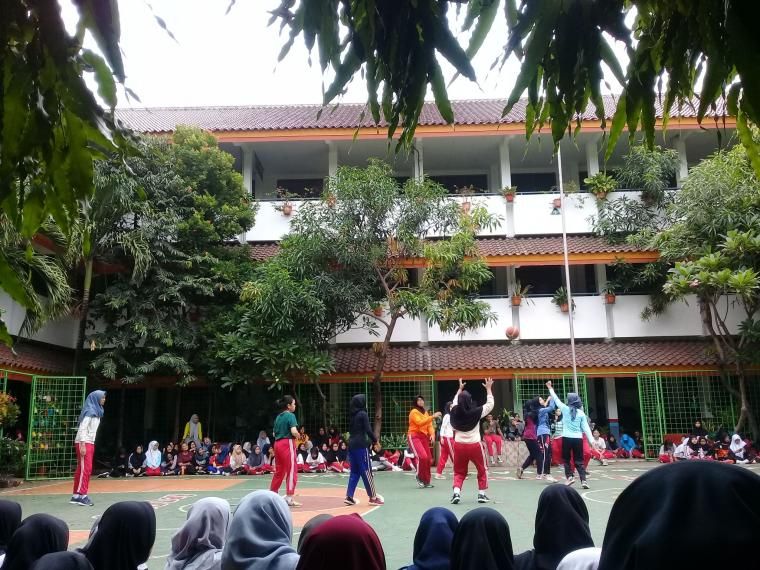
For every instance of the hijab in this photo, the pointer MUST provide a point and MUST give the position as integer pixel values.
(465, 415)
(530, 409)
(63, 561)
(260, 535)
(197, 544)
(482, 541)
(671, 505)
(256, 459)
(263, 439)
(432, 543)
(10, 519)
(583, 559)
(153, 455)
(350, 538)
(136, 459)
(123, 537)
(224, 451)
(737, 444)
(556, 503)
(36, 536)
(358, 404)
(574, 403)
(92, 405)
(309, 527)
(699, 431)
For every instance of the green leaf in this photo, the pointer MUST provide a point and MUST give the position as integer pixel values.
(103, 77)
(618, 123)
(486, 19)
(5, 336)
(439, 92)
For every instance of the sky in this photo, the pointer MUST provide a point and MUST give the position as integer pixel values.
(231, 59)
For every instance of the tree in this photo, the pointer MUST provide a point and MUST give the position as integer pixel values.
(714, 244)
(562, 46)
(361, 238)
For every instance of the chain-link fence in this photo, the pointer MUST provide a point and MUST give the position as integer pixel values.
(529, 386)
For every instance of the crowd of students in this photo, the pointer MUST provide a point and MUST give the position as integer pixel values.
(662, 508)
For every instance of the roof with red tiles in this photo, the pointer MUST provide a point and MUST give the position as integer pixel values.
(345, 115)
(492, 247)
(35, 358)
(507, 356)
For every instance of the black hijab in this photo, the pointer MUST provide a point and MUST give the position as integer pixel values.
(123, 538)
(557, 504)
(36, 536)
(137, 460)
(669, 506)
(10, 518)
(309, 527)
(699, 431)
(358, 404)
(530, 409)
(482, 541)
(466, 414)
(63, 561)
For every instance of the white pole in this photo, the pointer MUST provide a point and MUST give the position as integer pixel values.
(567, 268)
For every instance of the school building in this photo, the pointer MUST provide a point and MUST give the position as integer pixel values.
(658, 374)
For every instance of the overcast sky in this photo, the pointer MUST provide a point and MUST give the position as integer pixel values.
(231, 59)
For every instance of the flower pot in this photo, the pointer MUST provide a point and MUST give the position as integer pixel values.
(332, 200)
(287, 209)
(466, 207)
(378, 311)
(564, 307)
(516, 300)
(557, 202)
(509, 197)
(600, 195)
(609, 298)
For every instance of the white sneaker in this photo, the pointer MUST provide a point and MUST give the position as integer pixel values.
(439, 476)
(569, 481)
(584, 484)
(550, 479)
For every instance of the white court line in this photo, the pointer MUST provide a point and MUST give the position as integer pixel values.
(588, 498)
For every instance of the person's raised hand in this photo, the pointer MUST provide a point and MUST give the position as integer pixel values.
(488, 383)
(461, 384)
(549, 384)
(437, 415)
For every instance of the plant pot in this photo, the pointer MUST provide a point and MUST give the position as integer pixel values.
(557, 202)
(509, 197)
(609, 298)
(378, 311)
(564, 307)
(516, 300)
(332, 200)
(600, 195)
(287, 209)
(466, 207)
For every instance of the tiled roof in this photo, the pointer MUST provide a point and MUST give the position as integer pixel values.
(36, 358)
(346, 115)
(491, 247)
(523, 356)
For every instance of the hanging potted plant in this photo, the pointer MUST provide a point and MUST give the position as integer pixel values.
(609, 293)
(287, 206)
(560, 298)
(569, 187)
(509, 193)
(377, 310)
(467, 192)
(519, 293)
(600, 184)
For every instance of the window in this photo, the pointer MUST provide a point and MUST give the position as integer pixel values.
(303, 187)
(454, 181)
(546, 279)
(534, 181)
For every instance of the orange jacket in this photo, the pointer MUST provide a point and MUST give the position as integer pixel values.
(421, 424)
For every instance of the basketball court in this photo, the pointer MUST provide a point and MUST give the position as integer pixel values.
(395, 522)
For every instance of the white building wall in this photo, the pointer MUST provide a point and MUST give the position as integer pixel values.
(679, 319)
(543, 320)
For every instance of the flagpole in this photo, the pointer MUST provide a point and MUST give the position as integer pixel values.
(567, 268)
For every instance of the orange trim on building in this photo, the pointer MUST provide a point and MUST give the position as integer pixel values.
(554, 259)
(423, 131)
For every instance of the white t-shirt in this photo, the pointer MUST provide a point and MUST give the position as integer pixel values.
(87, 430)
(600, 444)
(446, 429)
(313, 462)
(473, 436)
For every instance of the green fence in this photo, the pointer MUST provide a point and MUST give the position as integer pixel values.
(397, 395)
(529, 386)
(3, 389)
(670, 402)
(55, 404)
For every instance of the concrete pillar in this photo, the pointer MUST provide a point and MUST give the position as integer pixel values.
(592, 158)
(247, 168)
(679, 143)
(418, 158)
(505, 176)
(332, 158)
(600, 272)
(511, 286)
(570, 170)
(610, 394)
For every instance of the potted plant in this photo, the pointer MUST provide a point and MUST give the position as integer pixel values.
(519, 293)
(609, 293)
(377, 310)
(601, 184)
(569, 187)
(467, 192)
(560, 298)
(287, 206)
(509, 193)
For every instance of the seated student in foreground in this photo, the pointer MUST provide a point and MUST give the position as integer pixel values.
(201, 459)
(237, 460)
(256, 463)
(409, 462)
(738, 449)
(332, 459)
(136, 467)
(599, 448)
(185, 460)
(722, 449)
(315, 461)
(120, 463)
(383, 460)
(169, 464)
(153, 460)
(219, 464)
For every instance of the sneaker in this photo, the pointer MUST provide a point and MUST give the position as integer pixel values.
(499, 461)
(376, 500)
(293, 503)
(584, 484)
(569, 481)
(395, 468)
(539, 477)
(519, 472)
(455, 498)
(350, 501)
(75, 500)
(420, 484)
(86, 502)
(483, 498)
(604, 463)
(439, 476)
(550, 479)
(428, 486)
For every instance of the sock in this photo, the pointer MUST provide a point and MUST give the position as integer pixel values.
(481, 491)
(76, 496)
(457, 490)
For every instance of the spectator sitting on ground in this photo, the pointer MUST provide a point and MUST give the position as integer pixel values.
(320, 438)
(35, 536)
(698, 430)
(381, 462)
(354, 543)
(332, 460)
(198, 543)
(705, 448)
(263, 440)
(343, 454)
(315, 461)
(185, 460)
(722, 448)
(409, 462)
(153, 460)
(256, 465)
(219, 464)
(667, 452)
(123, 537)
(738, 449)
(120, 463)
(169, 464)
(237, 460)
(303, 439)
(335, 436)
(201, 460)
(599, 448)
(136, 462)
(432, 541)
(629, 446)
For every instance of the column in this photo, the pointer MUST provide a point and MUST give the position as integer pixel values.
(505, 171)
(570, 170)
(679, 143)
(418, 158)
(511, 286)
(332, 158)
(592, 157)
(247, 151)
(150, 411)
(610, 394)
(600, 272)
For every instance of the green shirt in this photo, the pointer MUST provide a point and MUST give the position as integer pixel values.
(282, 425)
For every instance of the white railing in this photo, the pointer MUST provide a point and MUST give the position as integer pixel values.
(542, 319)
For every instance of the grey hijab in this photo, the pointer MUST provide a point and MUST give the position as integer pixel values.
(197, 544)
(260, 535)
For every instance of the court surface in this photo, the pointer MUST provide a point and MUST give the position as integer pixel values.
(395, 522)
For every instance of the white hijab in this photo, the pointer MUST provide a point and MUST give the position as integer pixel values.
(153, 455)
(197, 544)
(583, 559)
(737, 444)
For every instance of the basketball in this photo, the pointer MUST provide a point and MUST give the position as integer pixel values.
(512, 333)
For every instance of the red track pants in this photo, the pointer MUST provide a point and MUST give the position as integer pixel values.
(84, 469)
(284, 466)
(421, 447)
(447, 451)
(463, 454)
